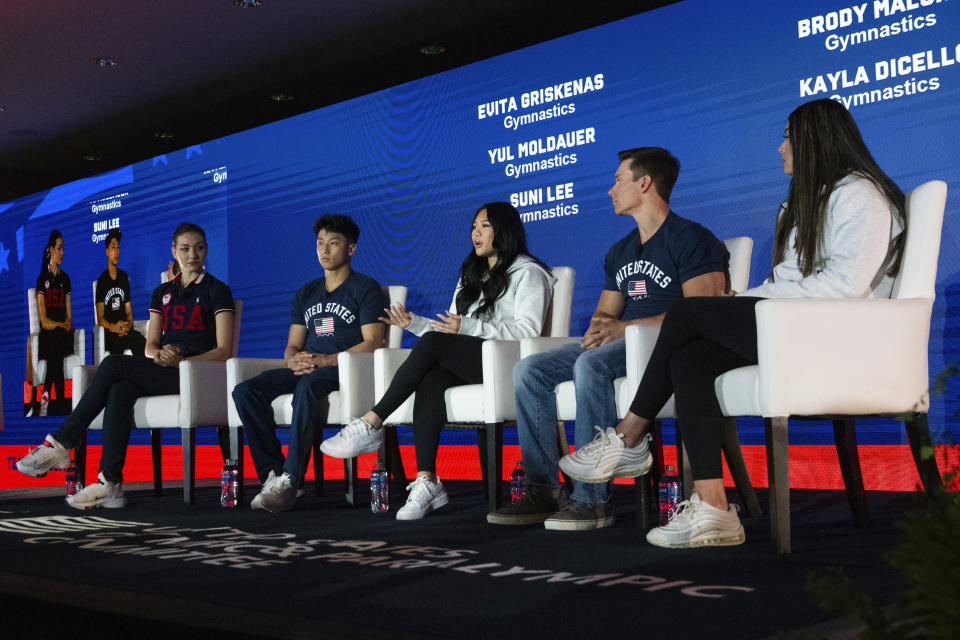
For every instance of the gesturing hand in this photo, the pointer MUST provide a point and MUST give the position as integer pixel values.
(447, 323)
(398, 316)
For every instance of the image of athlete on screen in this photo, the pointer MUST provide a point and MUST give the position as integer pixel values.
(113, 307)
(55, 316)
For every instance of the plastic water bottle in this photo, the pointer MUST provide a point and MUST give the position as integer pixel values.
(516, 482)
(229, 483)
(379, 490)
(671, 492)
(73, 482)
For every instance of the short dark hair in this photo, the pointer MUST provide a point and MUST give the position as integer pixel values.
(188, 227)
(113, 233)
(336, 223)
(655, 162)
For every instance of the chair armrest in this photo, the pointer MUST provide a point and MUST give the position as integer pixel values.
(499, 401)
(82, 376)
(385, 365)
(356, 383)
(639, 340)
(99, 344)
(80, 344)
(203, 393)
(531, 346)
(240, 369)
(842, 356)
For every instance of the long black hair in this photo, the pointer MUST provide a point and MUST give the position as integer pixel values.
(827, 146)
(51, 243)
(476, 275)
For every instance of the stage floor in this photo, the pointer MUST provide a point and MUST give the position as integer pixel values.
(159, 567)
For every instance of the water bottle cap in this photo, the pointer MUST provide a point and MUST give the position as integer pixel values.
(670, 468)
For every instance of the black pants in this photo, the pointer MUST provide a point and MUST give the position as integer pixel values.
(53, 345)
(438, 361)
(700, 339)
(119, 381)
(116, 344)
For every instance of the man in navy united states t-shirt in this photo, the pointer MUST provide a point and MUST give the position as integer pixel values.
(665, 257)
(335, 313)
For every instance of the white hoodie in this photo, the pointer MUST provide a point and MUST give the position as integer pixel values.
(858, 249)
(518, 313)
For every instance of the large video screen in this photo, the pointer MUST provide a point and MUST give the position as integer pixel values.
(713, 82)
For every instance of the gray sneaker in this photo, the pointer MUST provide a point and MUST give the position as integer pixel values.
(538, 503)
(279, 496)
(579, 516)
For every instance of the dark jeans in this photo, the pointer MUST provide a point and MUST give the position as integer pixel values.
(116, 344)
(438, 361)
(119, 381)
(253, 398)
(700, 339)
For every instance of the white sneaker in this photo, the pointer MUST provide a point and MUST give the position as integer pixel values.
(606, 458)
(356, 438)
(424, 497)
(99, 494)
(698, 524)
(257, 502)
(278, 496)
(49, 455)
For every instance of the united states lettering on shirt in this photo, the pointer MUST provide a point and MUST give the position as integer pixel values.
(329, 307)
(174, 317)
(643, 268)
(53, 297)
(323, 326)
(637, 288)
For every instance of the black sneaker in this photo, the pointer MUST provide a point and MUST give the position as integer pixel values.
(578, 516)
(538, 503)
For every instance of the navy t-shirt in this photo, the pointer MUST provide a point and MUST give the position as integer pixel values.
(188, 314)
(650, 276)
(54, 289)
(333, 319)
(114, 294)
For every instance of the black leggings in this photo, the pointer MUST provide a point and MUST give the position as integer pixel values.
(53, 346)
(700, 339)
(438, 361)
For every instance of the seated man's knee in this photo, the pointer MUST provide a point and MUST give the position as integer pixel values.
(590, 364)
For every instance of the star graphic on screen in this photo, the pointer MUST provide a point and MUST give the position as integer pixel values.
(4, 252)
(194, 150)
(161, 158)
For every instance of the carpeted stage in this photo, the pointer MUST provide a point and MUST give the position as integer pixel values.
(159, 568)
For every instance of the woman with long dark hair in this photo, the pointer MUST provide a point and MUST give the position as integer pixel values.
(503, 293)
(55, 315)
(838, 235)
(191, 318)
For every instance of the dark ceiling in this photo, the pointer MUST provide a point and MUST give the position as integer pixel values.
(187, 72)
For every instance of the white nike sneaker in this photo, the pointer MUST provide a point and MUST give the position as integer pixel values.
(99, 494)
(606, 457)
(49, 455)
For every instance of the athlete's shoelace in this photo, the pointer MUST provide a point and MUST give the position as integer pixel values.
(597, 445)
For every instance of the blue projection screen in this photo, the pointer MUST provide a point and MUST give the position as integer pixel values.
(540, 127)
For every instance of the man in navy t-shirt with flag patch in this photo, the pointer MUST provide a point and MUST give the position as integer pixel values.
(664, 258)
(339, 312)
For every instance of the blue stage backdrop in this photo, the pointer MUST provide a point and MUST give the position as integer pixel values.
(711, 81)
